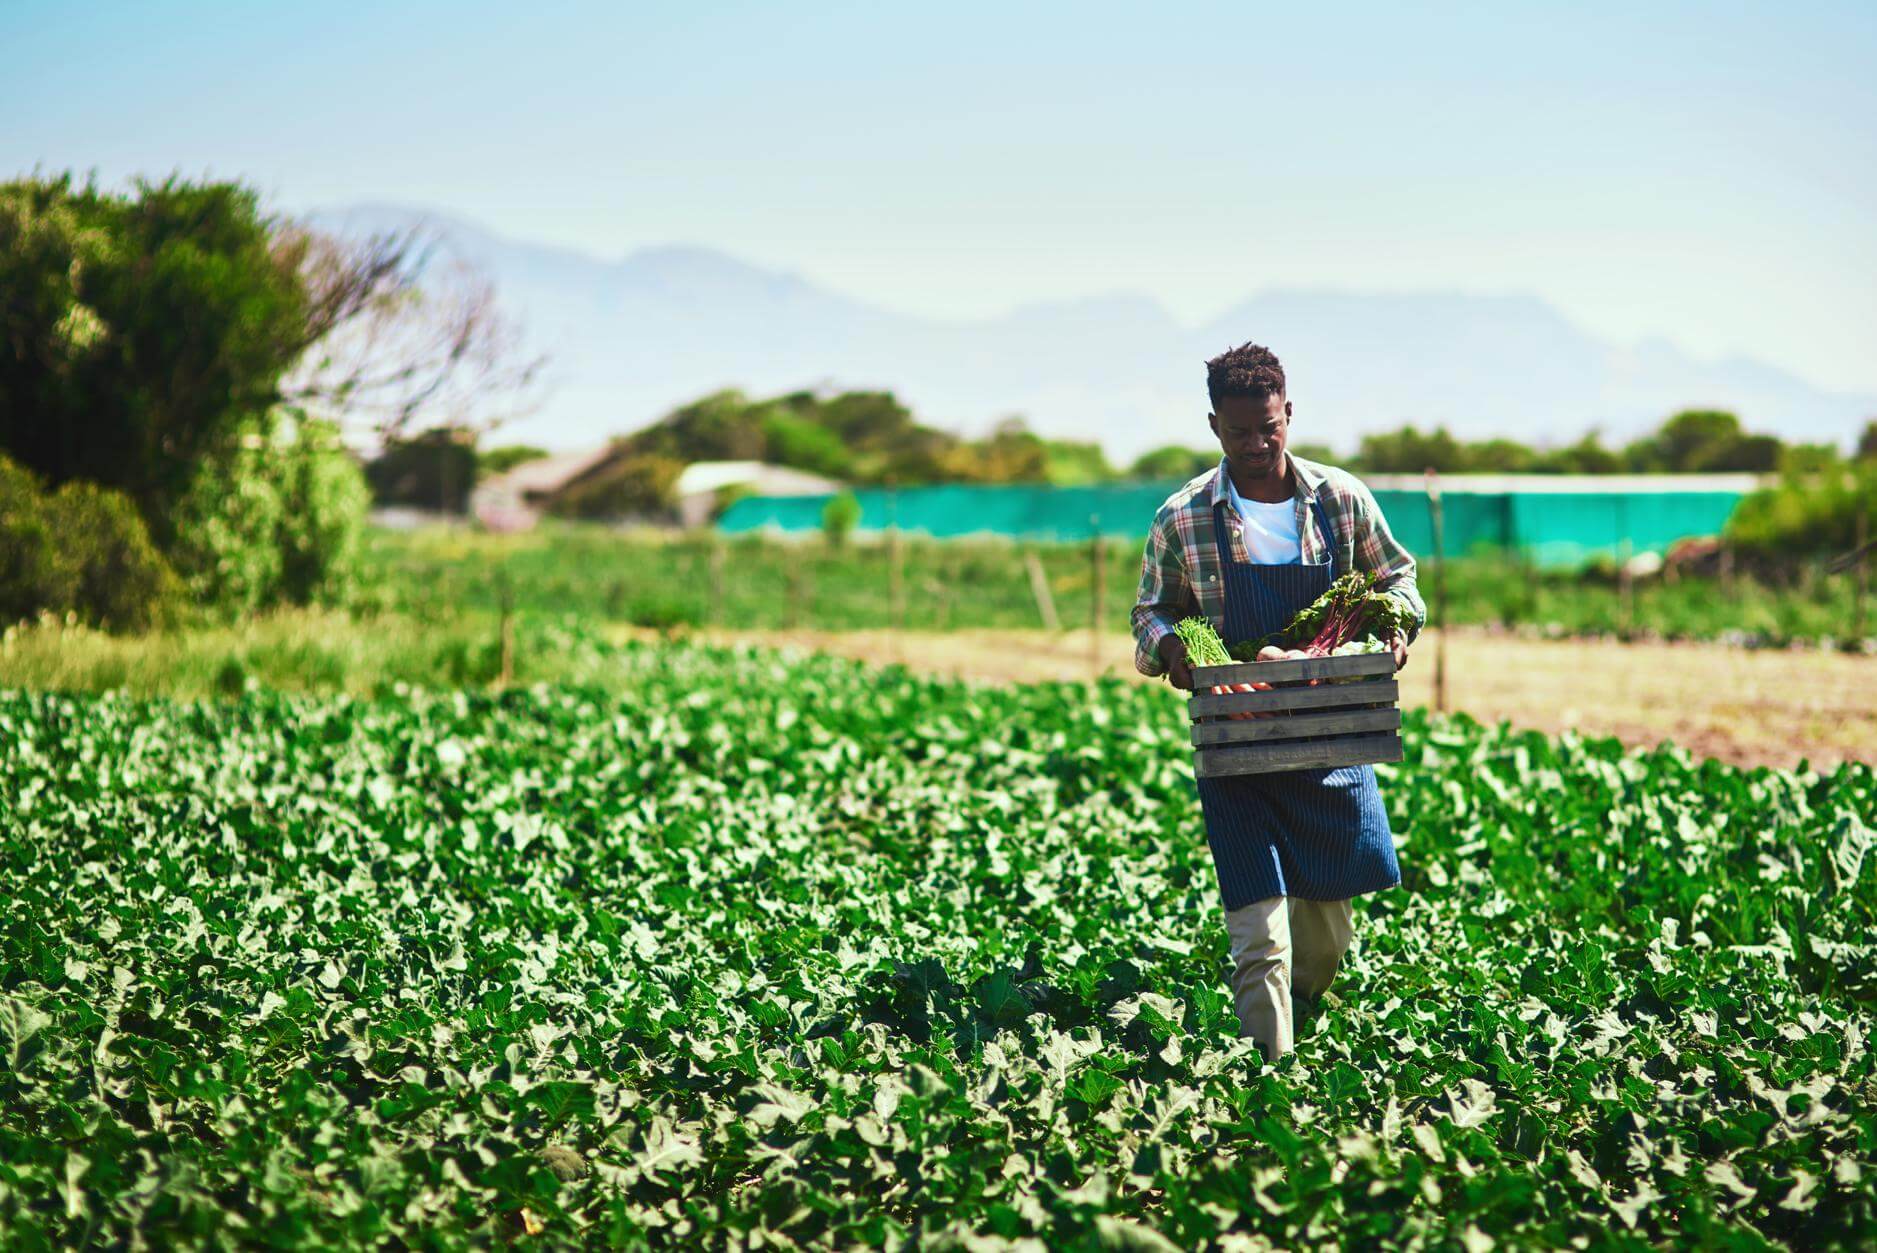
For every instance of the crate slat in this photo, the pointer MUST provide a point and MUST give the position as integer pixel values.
(1356, 666)
(1331, 696)
(1352, 750)
(1296, 726)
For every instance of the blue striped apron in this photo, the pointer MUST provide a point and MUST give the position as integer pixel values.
(1318, 834)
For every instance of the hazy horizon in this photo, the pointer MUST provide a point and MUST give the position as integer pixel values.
(1018, 308)
(632, 338)
(1657, 171)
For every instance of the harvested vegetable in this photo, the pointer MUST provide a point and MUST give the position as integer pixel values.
(1205, 648)
(1351, 617)
(1203, 645)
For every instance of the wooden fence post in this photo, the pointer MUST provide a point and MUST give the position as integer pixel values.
(1534, 586)
(1039, 588)
(1095, 590)
(1435, 517)
(1625, 589)
(895, 578)
(898, 554)
(507, 676)
(1862, 594)
(896, 559)
(716, 579)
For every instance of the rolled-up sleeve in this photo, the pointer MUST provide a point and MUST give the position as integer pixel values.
(1378, 550)
(1165, 596)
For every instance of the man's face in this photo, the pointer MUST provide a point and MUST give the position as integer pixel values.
(1252, 432)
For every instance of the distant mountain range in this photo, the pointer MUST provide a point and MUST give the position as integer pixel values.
(630, 339)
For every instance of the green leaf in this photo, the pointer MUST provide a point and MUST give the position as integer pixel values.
(778, 1104)
(19, 1022)
(1850, 842)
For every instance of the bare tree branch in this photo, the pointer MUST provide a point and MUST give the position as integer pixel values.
(401, 338)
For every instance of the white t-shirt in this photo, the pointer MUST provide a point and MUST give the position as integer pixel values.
(1270, 530)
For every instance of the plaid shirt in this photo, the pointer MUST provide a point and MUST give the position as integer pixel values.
(1181, 574)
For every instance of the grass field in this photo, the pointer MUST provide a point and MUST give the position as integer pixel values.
(740, 951)
(758, 583)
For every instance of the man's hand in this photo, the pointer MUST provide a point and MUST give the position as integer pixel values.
(1172, 651)
(1398, 644)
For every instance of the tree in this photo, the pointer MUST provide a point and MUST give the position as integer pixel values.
(1867, 442)
(1499, 456)
(1698, 441)
(1408, 451)
(791, 439)
(1172, 462)
(723, 426)
(839, 517)
(1012, 453)
(399, 335)
(281, 519)
(144, 333)
(434, 469)
(322, 528)
(147, 338)
(500, 460)
(82, 549)
(639, 485)
(1309, 452)
(1072, 463)
(1587, 456)
(1808, 512)
(862, 437)
(867, 421)
(1800, 460)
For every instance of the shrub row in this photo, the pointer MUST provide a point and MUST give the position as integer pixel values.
(82, 549)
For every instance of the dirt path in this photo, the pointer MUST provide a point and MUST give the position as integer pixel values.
(1741, 706)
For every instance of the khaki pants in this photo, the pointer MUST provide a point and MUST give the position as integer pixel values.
(1278, 944)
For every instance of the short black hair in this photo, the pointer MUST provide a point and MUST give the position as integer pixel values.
(1247, 370)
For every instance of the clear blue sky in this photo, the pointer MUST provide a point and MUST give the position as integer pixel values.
(1704, 173)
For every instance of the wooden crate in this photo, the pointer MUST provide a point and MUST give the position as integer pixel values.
(1349, 723)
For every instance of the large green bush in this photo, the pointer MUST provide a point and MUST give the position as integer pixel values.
(1809, 513)
(635, 486)
(280, 519)
(435, 469)
(793, 440)
(491, 462)
(142, 330)
(140, 335)
(122, 580)
(227, 534)
(34, 574)
(839, 517)
(322, 527)
(82, 549)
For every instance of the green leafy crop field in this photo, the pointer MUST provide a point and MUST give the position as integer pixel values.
(751, 950)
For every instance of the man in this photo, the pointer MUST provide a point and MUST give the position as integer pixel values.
(1247, 545)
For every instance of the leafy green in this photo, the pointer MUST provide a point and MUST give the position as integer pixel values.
(772, 950)
(1350, 610)
(1203, 645)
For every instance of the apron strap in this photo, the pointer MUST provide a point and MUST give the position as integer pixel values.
(1227, 561)
(1329, 536)
(1219, 536)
